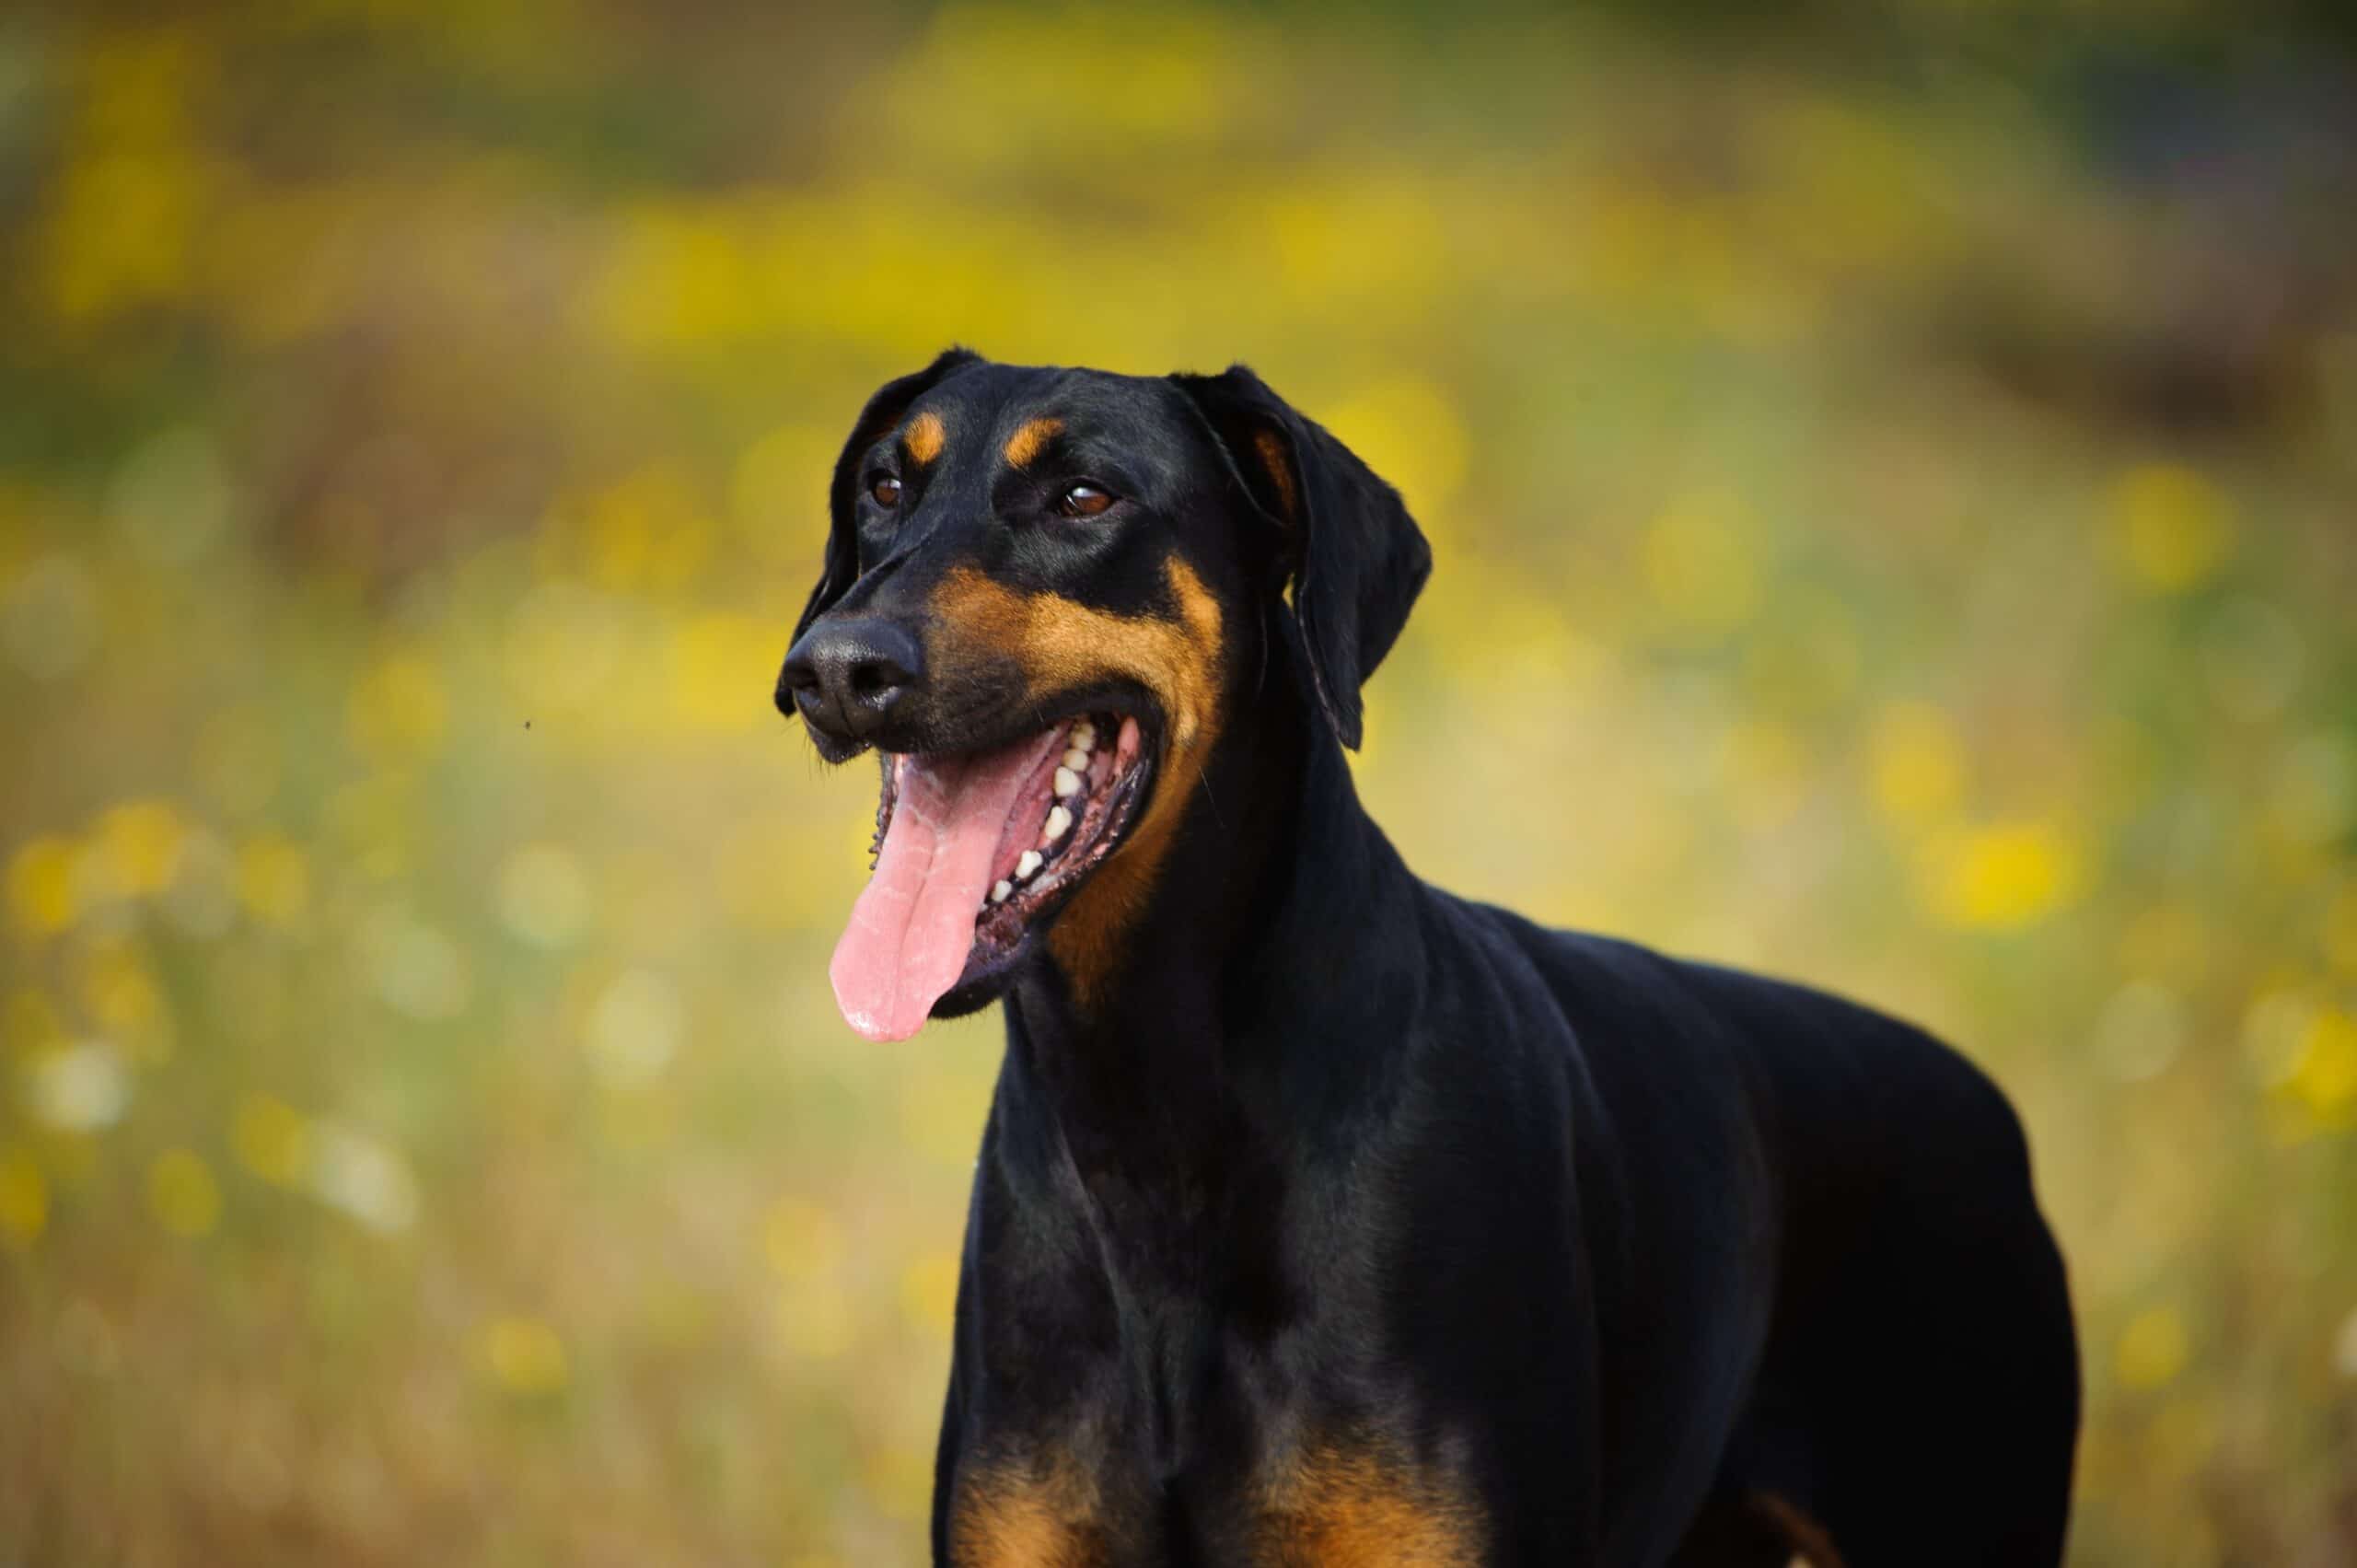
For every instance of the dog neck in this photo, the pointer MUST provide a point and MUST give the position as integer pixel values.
(1282, 918)
(1282, 951)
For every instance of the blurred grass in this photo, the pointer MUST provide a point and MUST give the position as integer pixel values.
(1895, 527)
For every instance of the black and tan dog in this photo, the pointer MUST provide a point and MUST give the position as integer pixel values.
(1323, 1218)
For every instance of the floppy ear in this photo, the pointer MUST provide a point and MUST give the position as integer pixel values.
(883, 412)
(1356, 558)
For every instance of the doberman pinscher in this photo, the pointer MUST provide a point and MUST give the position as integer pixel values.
(1323, 1218)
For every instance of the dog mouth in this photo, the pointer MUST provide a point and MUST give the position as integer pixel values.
(974, 851)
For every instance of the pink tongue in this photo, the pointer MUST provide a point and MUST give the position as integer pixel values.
(913, 924)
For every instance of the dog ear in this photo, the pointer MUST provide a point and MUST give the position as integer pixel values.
(883, 412)
(1355, 557)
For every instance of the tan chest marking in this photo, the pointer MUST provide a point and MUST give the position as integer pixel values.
(1338, 1507)
(1009, 1514)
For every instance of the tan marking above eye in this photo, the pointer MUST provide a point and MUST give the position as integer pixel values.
(925, 437)
(1034, 434)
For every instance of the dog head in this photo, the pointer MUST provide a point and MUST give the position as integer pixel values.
(1044, 592)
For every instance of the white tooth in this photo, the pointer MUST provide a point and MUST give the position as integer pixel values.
(1030, 862)
(1001, 890)
(1059, 824)
(1067, 783)
(1084, 736)
(1076, 760)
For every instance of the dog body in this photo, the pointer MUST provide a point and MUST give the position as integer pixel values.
(1323, 1218)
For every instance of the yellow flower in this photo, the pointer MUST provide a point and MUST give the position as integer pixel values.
(1915, 763)
(274, 880)
(41, 886)
(397, 711)
(2152, 1350)
(2003, 876)
(182, 1194)
(142, 840)
(544, 895)
(2171, 527)
(524, 1356)
(271, 1139)
(120, 994)
(24, 1198)
(2324, 1075)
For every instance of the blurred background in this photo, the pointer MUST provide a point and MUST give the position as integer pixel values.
(1894, 479)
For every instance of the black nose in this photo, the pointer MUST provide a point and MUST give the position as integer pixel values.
(846, 678)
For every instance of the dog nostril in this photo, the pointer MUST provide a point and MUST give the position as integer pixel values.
(850, 675)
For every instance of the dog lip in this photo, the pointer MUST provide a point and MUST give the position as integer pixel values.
(995, 956)
(992, 960)
(930, 743)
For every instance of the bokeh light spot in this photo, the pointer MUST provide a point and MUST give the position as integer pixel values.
(2003, 876)
(170, 499)
(398, 710)
(2152, 1350)
(1915, 763)
(274, 879)
(79, 1089)
(42, 900)
(2323, 1076)
(524, 1356)
(24, 1197)
(412, 965)
(363, 1178)
(182, 1194)
(2171, 527)
(635, 1027)
(544, 895)
(271, 1139)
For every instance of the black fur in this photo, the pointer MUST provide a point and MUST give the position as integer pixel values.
(1613, 1240)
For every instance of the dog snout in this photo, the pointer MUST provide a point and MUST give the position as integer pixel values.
(846, 679)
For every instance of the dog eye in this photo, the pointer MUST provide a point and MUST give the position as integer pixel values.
(1083, 501)
(886, 491)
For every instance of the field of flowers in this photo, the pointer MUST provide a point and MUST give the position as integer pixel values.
(1896, 527)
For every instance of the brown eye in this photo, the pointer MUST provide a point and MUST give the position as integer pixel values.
(1083, 501)
(886, 491)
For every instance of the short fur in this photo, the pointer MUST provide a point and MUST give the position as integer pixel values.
(1325, 1218)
